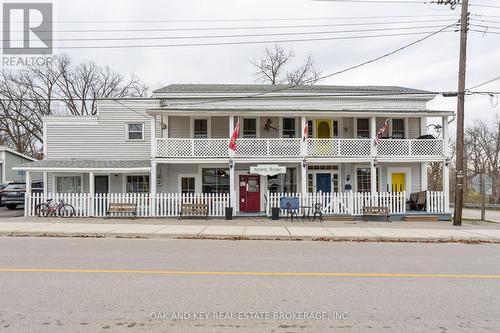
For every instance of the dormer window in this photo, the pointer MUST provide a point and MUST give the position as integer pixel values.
(135, 132)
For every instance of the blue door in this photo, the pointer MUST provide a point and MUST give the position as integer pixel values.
(324, 182)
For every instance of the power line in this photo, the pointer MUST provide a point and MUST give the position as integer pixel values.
(243, 35)
(485, 83)
(337, 72)
(250, 27)
(240, 42)
(485, 32)
(247, 20)
(409, 2)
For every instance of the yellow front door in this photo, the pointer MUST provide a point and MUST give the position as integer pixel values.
(398, 182)
(323, 128)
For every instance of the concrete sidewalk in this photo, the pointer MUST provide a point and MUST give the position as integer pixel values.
(254, 232)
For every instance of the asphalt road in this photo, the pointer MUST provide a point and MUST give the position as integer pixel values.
(108, 285)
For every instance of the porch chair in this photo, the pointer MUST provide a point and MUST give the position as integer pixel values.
(318, 210)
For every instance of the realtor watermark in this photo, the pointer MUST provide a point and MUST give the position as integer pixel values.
(248, 315)
(27, 33)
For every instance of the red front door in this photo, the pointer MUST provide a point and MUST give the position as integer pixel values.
(249, 193)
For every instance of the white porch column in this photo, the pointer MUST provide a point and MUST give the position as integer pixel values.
(373, 177)
(373, 134)
(423, 176)
(27, 195)
(303, 178)
(91, 193)
(153, 182)
(446, 168)
(45, 182)
(231, 126)
(153, 135)
(232, 191)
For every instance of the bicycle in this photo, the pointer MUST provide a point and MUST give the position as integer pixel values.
(47, 208)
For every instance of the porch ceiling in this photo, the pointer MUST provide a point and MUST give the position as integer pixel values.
(77, 165)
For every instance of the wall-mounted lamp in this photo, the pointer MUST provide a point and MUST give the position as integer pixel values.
(231, 164)
(375, 163)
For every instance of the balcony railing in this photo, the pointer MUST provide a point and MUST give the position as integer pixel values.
(217, 148)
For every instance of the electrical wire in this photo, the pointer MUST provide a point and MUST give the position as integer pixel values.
(484, 83)
(383, 56)
(242, 35)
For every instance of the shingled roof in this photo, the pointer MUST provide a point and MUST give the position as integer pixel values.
(260, 88)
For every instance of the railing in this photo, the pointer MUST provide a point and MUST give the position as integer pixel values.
(352, 203)
(410, 148)
(217, 148)
(96, 205)
(343, 203)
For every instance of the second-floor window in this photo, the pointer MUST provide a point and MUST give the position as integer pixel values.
(398, 128)
(289, 128)
(135, 131)
(200, 128)
(363, 128)
(250, 128)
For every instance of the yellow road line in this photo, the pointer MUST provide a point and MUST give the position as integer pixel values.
(300, 274)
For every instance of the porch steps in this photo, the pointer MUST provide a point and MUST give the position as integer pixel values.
(339, 218)
(420, 218)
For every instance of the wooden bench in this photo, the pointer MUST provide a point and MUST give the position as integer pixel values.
(417, 200)
(375, 211)
(118, 208)
(194, 210)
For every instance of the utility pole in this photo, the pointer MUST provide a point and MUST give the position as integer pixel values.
(460, 174)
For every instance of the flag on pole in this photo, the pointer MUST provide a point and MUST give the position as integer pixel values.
(381, 131)
(234, 136)
(306, 130)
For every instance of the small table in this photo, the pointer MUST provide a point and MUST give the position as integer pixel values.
(304, 210)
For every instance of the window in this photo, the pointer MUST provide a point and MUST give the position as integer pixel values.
(363, 179)
(187, 185)
(310, 183)
(289, 128)
(335, 129)
(363, 128)
(137, 184)
(310, 129)
(283, 183)
(335, 182)
(398, 128)
(215, 180)
(250, 128)
(135, 131)
(69, 184)
(200, 128)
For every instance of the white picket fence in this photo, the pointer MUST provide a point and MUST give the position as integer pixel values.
(166, 204)
(352, 203)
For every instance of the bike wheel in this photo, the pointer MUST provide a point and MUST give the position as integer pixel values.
(42, 210)
(66, 210)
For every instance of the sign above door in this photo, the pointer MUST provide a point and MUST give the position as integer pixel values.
(267, 169)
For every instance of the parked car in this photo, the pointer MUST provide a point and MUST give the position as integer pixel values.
(13, 194)
(2, 187)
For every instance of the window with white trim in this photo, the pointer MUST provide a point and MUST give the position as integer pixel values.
(187, 184)
(135, 131)
(398, 128)
(69, 184)
(200, 129)
(137, 184)
(363, 128)
(289, 128)
(249, 128)
(363, 179)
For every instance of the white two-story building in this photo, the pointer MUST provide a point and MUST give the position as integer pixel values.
(300, 141)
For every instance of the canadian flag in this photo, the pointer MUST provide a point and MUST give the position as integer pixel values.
(232, 141)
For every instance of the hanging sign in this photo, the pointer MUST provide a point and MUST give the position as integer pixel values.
(267, 169)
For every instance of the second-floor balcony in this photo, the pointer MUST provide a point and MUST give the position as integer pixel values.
(296, 147)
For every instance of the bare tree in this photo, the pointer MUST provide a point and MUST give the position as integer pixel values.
(272, 68)
(29, 93)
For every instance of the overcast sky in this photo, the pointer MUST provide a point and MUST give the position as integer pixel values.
(431, 65)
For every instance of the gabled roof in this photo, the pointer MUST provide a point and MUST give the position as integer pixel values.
(7, 149)
(260, 88)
